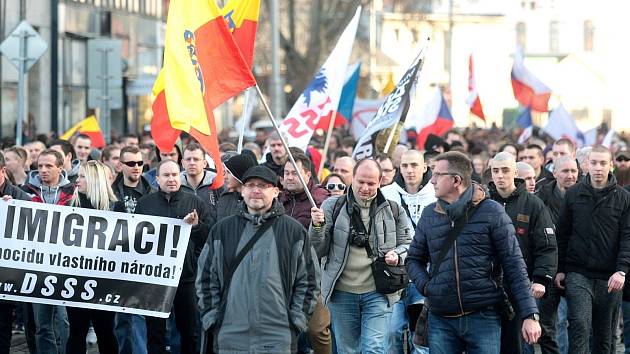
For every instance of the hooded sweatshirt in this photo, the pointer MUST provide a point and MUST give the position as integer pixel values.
(412, 203)
(60, 194)
(203, 190)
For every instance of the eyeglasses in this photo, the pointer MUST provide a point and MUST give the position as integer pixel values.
(261, 186)
(133, 163)
(440, 174)
(340, 186)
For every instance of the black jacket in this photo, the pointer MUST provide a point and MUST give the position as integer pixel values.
(228, 204)
(549, 195)
(278, 169)
(13, 191)
(178, 206)
(143, 187)
(594, 230)
(534, 231)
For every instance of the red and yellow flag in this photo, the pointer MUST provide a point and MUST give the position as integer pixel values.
(88, 126)
(203, 67)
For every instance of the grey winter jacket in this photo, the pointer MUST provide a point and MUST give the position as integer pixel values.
(203, 190)
(273, 291)
(390, 231)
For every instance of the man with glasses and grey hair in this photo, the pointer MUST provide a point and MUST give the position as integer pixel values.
(467, 239)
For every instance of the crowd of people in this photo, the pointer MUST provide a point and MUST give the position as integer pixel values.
(505, 245)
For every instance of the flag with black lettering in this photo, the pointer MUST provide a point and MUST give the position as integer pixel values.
(391, 115)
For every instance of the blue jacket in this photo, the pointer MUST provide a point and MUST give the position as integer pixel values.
(468, 278)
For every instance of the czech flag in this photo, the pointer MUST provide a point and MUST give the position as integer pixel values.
(88, 126)
(524, 120)
(473, 97)
(436, 119)
(528, 90)
(346, 101)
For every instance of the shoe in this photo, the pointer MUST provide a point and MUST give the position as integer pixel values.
(91, 337)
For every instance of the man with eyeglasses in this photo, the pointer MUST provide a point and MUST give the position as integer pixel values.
(461, 287)
(260, 302)
(412, 190)
(388, 169)
(170, 201)
(129, 186)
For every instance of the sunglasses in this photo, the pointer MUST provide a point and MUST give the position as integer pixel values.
(340, 186)
(622, 159)
(133, 163)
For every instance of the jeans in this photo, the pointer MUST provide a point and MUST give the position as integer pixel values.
(103, 322)
(401, 320)
(360, 321)
(476, 333)
(131, 333)
(51, 328)
(562, 326)
(590, 305)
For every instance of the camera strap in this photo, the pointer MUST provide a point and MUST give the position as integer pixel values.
(356, 223)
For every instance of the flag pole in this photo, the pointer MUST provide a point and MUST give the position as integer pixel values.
(331, 125)
(243, 116)
(390, 138)
(286, 146)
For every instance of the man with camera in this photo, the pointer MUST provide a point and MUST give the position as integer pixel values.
(468, 238)
(358, 233)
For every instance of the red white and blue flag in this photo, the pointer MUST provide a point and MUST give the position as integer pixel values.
(562, 125)
(473, 97)
(320, 99)
(436, 119)
(346, 101)
(529, 91)
(524, 121)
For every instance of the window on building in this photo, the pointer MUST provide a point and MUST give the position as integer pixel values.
(554, 36)
(521, 34)
(589, 35)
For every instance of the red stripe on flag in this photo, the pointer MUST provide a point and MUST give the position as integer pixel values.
(245, 37)
(98, 141)
(476, 109)
(211, 145)
(324, 122)
(225, 72)
(526, 96)
(439, 128)
(163, 134)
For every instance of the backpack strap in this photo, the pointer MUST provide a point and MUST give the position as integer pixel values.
(406, 207)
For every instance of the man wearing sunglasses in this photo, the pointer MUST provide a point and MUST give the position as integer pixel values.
(129, 186)
(622, 160)
(412, 190)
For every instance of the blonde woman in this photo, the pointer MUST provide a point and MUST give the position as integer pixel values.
(93, 191)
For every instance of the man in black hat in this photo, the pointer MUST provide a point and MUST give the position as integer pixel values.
(230, 196)
(264, 298)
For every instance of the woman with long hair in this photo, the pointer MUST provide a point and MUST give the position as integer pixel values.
(93, 191)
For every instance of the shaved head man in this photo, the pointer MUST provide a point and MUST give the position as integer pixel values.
(526, 172)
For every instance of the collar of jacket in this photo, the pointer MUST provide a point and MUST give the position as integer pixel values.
(377, 204)
(426, 178)
(173, 196)
(495, 195)
(477, 195)
(589, 190)
(257, 219)
(300, 196)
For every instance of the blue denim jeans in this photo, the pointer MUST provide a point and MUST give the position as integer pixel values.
(476, 333)
(131, 333)
(51, 328)
(360, 321)
(400, 321)
(562, 327)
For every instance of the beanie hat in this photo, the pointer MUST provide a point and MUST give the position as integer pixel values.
(238, 165)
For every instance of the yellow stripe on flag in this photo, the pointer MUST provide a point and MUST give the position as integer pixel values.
(237, 11)
(89, 124)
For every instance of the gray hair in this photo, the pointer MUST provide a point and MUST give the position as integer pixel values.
(582, 153)
(561, 161)
(523, 166)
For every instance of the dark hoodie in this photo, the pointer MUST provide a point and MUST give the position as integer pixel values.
(60, 194)
(534, 231)
(594, 230)
(278, 169)
(143, 188)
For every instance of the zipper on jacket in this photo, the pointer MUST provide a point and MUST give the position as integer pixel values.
(457, 280)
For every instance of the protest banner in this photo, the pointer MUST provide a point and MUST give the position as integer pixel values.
(90, 258)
